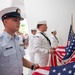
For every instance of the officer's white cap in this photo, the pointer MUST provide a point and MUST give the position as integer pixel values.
(10, 12)
(42, 22)
(53, 30)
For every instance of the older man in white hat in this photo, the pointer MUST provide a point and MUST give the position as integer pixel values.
(54, 39)
(11, 53)
(42, 45)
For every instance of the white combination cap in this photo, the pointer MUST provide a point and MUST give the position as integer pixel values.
(42, 22)
(10, 12)
(53, 30)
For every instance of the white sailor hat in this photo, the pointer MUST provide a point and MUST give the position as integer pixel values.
(10, 12)
(33, 29)
(53, 30)
(42, 22)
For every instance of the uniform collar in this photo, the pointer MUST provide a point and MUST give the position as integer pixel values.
(40, 32)
(53, 35)
(7, 36)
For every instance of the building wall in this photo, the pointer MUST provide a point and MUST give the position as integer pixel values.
(4, 4)
(57, 13)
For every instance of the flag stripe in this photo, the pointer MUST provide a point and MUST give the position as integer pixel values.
(56, 58)
(42, 71)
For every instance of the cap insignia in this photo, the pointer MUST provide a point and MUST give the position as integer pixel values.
(18, 11)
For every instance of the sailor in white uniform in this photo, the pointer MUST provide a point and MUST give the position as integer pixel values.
(42, 45)
(31, 44)
(54, 40)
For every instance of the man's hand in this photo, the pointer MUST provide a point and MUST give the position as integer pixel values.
(35, 66)
(52, 51)
(53, 48)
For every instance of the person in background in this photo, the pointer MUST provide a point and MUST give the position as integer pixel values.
(42, 44)
(31, 43)
(30, 47)
(20, 38)
(26, 40)
(54, 40)
(11, 53)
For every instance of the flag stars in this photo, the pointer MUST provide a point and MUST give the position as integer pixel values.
(54, 70)
(74, 73)
(71, 43)
(59, 73)
(69, 50)
(70, 71)
(73, 40)
(74, 66)
(70, 46)
(64, 69)
(67, 53)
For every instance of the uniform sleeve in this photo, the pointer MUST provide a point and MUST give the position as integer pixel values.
(38, 46)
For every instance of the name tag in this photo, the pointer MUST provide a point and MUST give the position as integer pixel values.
(9, 48)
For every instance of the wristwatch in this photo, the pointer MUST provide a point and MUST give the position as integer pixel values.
(32, 67)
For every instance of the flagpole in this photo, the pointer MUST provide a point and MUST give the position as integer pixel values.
(72, 25)
(72, 20)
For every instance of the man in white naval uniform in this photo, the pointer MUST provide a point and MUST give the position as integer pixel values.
(11, 53)
(31, 41)
(30, 47)
(54, 39)
(42, 45)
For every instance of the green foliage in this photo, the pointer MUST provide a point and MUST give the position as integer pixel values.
(22, 28)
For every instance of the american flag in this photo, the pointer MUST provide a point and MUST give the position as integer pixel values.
(56, 58)
(59, 53)
(71, 33)
(63, 67)
(68, 69)
(70, 49)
